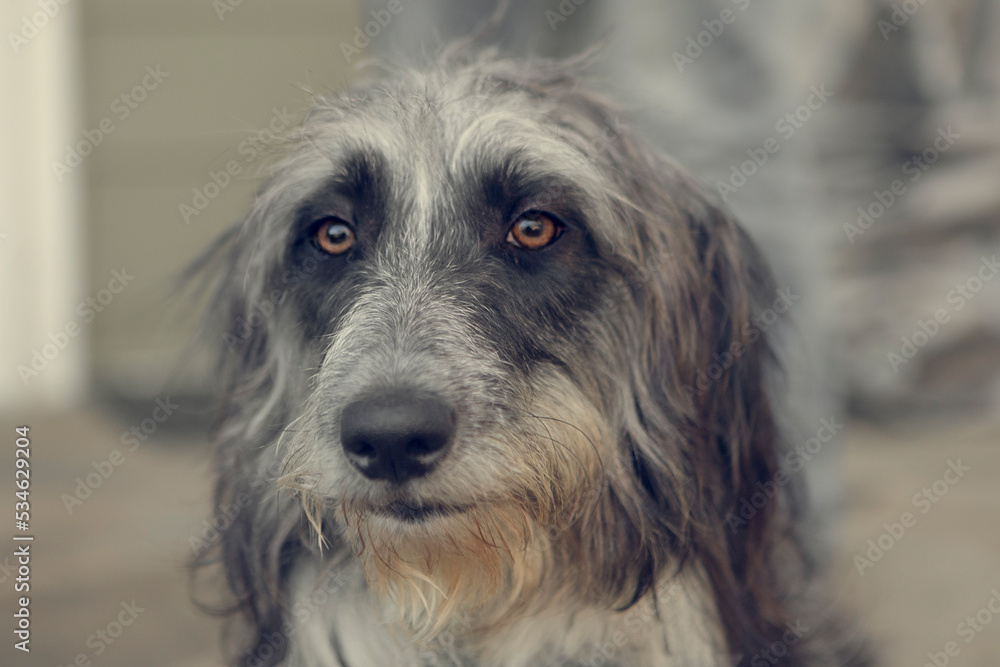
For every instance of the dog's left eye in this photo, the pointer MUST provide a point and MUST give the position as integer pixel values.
(334, 236)
(533, 231)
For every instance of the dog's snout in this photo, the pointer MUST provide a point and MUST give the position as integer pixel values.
(396, 435)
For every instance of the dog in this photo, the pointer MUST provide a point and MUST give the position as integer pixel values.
(494, 391)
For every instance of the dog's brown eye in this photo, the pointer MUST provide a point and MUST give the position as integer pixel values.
(533, 231)
(335, 236)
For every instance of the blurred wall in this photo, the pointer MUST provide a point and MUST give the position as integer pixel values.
(120, 119)
(163, 96)
(190, 87)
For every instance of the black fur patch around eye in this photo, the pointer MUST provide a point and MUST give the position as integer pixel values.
(532, 300)
(323, 284)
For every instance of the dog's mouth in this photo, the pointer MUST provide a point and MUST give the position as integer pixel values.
(411, 512)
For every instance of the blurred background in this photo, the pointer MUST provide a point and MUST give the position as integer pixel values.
(858, 140)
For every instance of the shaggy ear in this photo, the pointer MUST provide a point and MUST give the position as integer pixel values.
(256, 530)
(228, 328)
(727, 375)
(699, 427)
(251, 371)
(707, 439)
(729, 372)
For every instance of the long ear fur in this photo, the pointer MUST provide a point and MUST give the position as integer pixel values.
(709, 368)
(701, 430)
(736, 433)
(259, 529)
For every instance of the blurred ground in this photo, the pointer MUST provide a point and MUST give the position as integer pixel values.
(129, 540)
(944, 568)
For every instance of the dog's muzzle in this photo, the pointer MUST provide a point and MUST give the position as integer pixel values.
(397, 435)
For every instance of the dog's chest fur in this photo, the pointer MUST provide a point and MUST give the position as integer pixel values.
(338, 623)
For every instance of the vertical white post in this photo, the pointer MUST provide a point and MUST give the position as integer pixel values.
(42, 241)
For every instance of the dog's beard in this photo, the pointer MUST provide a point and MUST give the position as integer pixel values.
(461, 569)
(483, 563)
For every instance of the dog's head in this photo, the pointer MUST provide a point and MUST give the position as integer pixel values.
(496, 346)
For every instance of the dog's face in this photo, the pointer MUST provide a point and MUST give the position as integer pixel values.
(485, 312)
(464, 243)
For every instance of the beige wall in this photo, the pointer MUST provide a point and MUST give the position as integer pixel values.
(158, 95)
(220, 77)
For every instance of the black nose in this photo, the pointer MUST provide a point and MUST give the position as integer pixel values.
(396, 435)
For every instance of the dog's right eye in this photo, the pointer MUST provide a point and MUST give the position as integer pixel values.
(533, 231)
(334, 236)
